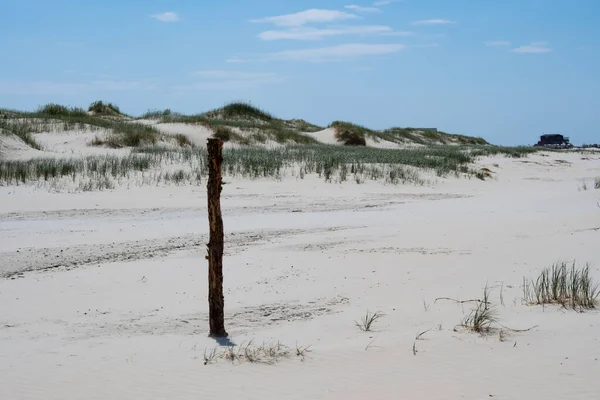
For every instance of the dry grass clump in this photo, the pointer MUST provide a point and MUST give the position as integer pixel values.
(564, 285)
(267, 353)
(597, 183)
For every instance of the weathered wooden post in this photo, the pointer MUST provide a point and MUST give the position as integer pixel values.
(215, 243)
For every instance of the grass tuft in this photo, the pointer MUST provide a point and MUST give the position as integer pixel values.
(365, 324)
(482, 317)
(564, 285)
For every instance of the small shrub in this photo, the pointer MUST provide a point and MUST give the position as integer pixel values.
(597, 183)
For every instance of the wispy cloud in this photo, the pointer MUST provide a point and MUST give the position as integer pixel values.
(535, 47)
(305, 33)
(235, 60)
(53, 87)
(363, 9)
(305, 17)
(166, 17)
(238, 75)
(497, 43)
(211, 80)
(433, 22)
(385, 2)
(340, 52)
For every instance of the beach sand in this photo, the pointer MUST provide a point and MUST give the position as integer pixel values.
(104, 294)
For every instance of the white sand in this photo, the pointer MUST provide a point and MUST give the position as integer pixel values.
(126, 317)
(326, 136)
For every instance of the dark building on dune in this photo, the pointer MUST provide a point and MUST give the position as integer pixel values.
(554, 140)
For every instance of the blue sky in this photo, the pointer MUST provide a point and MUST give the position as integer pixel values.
(506, 70)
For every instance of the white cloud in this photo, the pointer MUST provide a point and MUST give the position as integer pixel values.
(305, 17)
(497, 43)
(340, 52)
(363, 9)
(535, 47)
(166, 17)
(433, 22)
(305, 33)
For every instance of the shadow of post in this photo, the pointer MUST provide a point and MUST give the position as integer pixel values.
(224, 341)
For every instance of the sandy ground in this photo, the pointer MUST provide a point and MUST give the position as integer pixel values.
(103, 295)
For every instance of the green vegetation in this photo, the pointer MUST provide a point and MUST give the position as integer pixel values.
(227, 134)
(239, 110)
(564, 285)
(329, 162)
(514, 152)
(52, 118)
(259, 126)
(365, 324)
(22, 129)
(481, 318)
(350, 134)
(101, 108)
(54, 110)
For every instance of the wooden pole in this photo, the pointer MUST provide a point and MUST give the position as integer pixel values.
(215, 243)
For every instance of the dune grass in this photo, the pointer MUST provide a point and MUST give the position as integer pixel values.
(568, 286)
(331, 163)
(350, 134)
(54, 118)
(365, 324)
(55, 110)
(21, 129)
(101, 108)
(482, 317)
